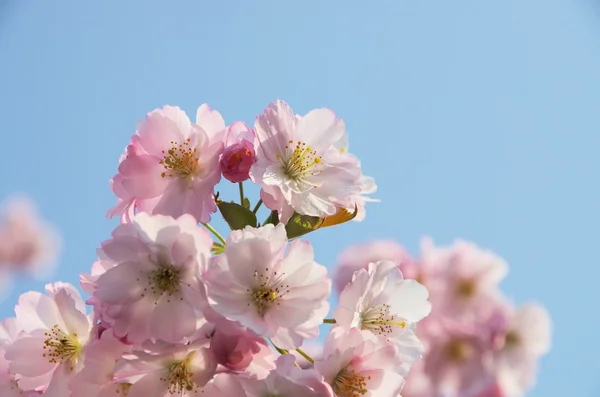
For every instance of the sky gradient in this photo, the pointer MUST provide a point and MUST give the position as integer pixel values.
(478, 119)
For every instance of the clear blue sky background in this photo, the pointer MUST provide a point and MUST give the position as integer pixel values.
(479, 120)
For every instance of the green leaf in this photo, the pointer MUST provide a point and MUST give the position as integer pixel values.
(246, 203)
(217, 249)
(236, 216)
(299, 225)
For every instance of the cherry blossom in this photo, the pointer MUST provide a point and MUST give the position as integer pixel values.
(359, 256)
(357, 363)
(180, 310)
(287, 379)
(153, 291)
(300, 162)
(171, 165)
(239, 153)
(27, 242)
(282, 297)
(380, 301)
(49, 349)
(179, 370)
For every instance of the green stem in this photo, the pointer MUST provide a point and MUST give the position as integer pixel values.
(306, 356)
(273, 218)
(213, 231)
(328, 321)
(257, 206)
(279, 350)
(241, 185)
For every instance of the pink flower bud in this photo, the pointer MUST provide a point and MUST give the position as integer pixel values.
(237, 160)
(236, 352)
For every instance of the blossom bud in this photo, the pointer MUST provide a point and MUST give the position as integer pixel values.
(236, 161)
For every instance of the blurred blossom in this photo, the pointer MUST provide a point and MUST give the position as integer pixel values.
(477, 343)
(27, 242)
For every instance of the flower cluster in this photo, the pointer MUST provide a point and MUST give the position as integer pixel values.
(27, 243)
(174, 313)
(477, 343)
(177, 309)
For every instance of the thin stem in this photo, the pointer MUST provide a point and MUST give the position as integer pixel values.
(306, 356)
(279, 350)
(257, 206)
(328, 321)
(213, 231)
(241, 185)
(272, 218)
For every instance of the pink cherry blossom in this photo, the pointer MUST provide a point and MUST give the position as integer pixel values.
(97, 378)
(153, 291)
(236, 349)
(282, 297)
(359, 256)
(466, 277)
(27, 242)
(459, 360)
(300, 165)
(179, 370)
(378, 300)
(239, 153)
(171, 165)
(358, 363)
(287, 379)
(49, 350)
(525, 338)
(9, 332)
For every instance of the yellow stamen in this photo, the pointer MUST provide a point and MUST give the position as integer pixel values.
(180, 161)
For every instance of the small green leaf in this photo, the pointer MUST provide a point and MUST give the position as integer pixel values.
(246, 203)
(236, 216)
(299, 225)
(217, 249)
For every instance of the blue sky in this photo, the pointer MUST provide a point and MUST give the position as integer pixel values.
(479, 119)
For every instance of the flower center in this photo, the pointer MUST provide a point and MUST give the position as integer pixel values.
(466, 288)
(264, 297)
(60, 347)
(348, 383)
(302, 162)
(179, 377)
(180, 161)
(458, 350)
(512, 339)
(268, 292)
(380, 321)
(165, 279)
(123, 389)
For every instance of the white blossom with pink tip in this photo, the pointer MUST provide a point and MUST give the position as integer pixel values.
(54, 332)
(301, 165)
(378, 300)
(171, 165)
(278, 296)
(357, 363)
(153, 291)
